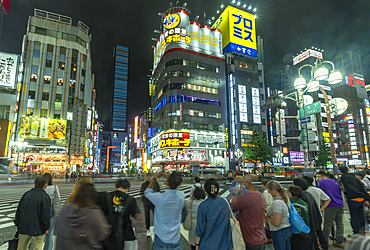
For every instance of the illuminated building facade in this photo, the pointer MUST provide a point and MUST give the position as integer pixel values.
(56, 87)
(188, 98)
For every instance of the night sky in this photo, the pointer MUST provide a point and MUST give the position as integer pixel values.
(287, 26)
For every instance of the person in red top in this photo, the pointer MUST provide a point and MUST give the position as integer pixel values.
(252, 207)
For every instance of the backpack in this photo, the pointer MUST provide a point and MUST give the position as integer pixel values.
(116, 239)
(298, 225)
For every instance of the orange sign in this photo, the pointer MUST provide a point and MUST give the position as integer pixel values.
(285, 150)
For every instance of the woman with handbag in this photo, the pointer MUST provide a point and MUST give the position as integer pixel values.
(81, 225)
(213, 231)
(192, 208)
(278, 216)
(53, 192)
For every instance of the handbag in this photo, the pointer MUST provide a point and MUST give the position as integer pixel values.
(56, 201)
(13, 244)
(298, 225)
(236, 233)
(187, 221)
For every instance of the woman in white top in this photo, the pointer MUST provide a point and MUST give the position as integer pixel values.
(278, 216)
(53, 192)
(193, 204)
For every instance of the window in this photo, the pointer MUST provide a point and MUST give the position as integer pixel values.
(73, 71)
(47, 79)
(31, 94)
(82, 88)
(45, 96)
(61, 65)
(58, 98)
(49, 63)
(44, 112)
(36, 53)
(29, 112)
(56, 116)
(62, 50)
(50, 48)
(83, 72)
(33, 78)
(60, 81)
(4, 111)
(40, 31)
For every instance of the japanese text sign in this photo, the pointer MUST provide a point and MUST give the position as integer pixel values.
(238, 31)
(8, 68)
(175, 139)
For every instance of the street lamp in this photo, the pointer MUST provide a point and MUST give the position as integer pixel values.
(319, 73)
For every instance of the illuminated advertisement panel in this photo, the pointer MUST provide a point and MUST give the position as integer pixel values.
(42, 128)
(306, 54)
(8, 69)
(5, 4)
(135, 128)
(243, 103)
(296, 156)
(175, 139)
(238, 31)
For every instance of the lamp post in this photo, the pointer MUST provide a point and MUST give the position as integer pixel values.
(320, 73)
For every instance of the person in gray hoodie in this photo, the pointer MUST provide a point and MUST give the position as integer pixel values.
(80, 224)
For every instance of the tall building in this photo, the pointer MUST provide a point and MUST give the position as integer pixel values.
(57, 85)
(121, 61)
(188, 96)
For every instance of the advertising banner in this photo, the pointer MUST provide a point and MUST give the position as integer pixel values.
(8, 69)
(175, 139)
(41, 158)
(43, 128)
(238, 31)
(5, 4)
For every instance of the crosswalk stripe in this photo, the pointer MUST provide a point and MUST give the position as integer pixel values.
(5, 219)
(10, 224)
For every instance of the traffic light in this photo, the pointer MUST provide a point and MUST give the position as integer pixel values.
(342, 135)
(227, 154)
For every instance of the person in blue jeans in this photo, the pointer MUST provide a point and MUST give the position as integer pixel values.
(168, 213)
(213, 231)
(278, 216)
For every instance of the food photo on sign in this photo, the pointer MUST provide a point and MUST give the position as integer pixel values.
(42, 128)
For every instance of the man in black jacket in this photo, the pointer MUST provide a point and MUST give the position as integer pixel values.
(148, 205)
(33, 216)
(356, 197)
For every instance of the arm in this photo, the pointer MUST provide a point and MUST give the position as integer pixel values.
(197, 241)
(276, 221)
(326, 203)
(154, 179)
(19, 211)
(45, 212)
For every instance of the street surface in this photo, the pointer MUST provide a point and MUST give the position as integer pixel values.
(10, 195)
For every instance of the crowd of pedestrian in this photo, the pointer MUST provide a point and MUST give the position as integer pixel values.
(102, 220)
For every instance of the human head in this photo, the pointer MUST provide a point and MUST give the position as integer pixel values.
(199, 193)
(301, 183)
(343, 169)
(121, 183)
(296, 192)
(309, 180)
(41, 182)
(197, 179)
(86, 196)
(48, 175)
(248, 182)
(321, 174)
(360, 175)
(264, 184)
(174, 180)
(239, 179)
(212, 187)
(84, 179)
(367, 171)
(276, 190)
(149, 176)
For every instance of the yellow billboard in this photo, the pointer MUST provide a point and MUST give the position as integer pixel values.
(238, 31)
(42, 128)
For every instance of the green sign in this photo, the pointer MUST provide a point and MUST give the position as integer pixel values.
(311, 109)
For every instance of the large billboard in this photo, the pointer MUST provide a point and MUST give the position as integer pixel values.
(43, 128)
(175, 139)
(238, 31)
(8, 69)
(306, 54)
(5, 4)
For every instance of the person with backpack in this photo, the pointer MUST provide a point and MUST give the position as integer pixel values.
(196, 185)
(118, 206)
(53, 192)
(147, 204)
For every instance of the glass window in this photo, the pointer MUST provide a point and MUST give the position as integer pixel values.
(60, 81)
(56, 116)
(58, 98)
(44, 112)
(82, 88)
(83, 72)
(45, 96)
(49, 63)
(62, 50)
(61, 65)
(33, 78)
(50, 48)
(36, 53)
(47, 79)
(31, 94)
(37, 46)
(29, 111)
(40, 31)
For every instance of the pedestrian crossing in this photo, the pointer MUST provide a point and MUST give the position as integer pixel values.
(9, 204)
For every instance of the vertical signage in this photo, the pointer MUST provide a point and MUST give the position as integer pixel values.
(232, 107)
(256, 105)
(136, 128)
(243, 103)
(8, 69)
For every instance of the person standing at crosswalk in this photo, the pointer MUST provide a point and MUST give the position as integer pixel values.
(196, 185)
(53, 192)
(147, 204)
(33, 216)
